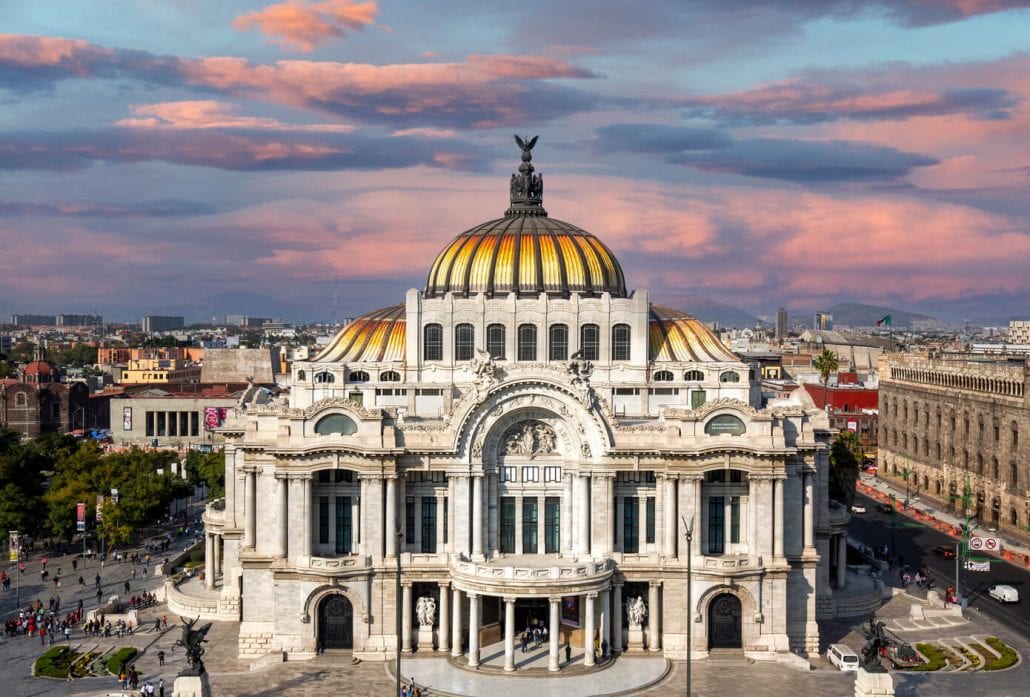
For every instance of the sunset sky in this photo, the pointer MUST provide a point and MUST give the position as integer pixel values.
(246, 156)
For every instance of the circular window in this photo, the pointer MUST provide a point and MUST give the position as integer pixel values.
(336, 423)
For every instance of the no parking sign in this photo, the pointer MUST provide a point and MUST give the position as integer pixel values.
(989, 544)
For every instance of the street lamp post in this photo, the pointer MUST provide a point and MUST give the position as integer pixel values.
(689, 534)
(906, 473)
(894, 515)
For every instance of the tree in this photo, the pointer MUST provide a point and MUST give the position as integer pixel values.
(207, 469)
(21, 483)
(6, 370)
(845, 460)
(826, 363)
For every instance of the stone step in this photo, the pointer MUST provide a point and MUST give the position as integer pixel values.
(728, 657)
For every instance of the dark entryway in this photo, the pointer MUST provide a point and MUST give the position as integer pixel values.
(336, 623)
(724, 631)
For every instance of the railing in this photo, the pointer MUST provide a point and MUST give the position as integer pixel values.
(557, 572)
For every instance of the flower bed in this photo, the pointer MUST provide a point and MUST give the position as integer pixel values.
(55, 663)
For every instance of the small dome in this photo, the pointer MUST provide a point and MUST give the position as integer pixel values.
(526, 252)
(677, 337)
(375, 337)
(39, 368)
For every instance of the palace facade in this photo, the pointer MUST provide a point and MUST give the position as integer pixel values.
(525, 442)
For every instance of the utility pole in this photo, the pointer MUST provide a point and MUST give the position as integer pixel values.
(689, 534)
(962, 548)
(894, 516)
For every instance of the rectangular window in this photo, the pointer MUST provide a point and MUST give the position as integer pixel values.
(735, 519)
(507, 473)
(507, 541)
(697, 398)
(495, 341)
(626, 391)
(323, 478)
(343, 522)
(527, 342)
(149, 419)
(464, 342)
(323, 520)
(194, 423)
(445, 519)
(631, 525)
(649, 513)
(590, 342)
(716, 521)
(433, 344)
(552, 525)
(428, 524)
(530, 474)
(552, 474)
(558, 342)
(409, 520)
(529, 522)
(620, 342)
(161, 423)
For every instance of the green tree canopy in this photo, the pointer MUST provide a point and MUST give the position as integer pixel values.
(845, 460)
(209, 469)
(826, 363)
(21, 483)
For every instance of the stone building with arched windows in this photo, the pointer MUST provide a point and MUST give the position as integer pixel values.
(529, 441)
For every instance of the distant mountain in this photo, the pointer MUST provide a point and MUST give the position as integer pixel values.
(858, 315)
(708, 310)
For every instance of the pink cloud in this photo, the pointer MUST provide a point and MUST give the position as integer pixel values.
(209, 113)
(304, 25)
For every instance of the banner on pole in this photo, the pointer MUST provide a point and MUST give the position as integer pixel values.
(15, 552)
(80, 517)
(100, 505)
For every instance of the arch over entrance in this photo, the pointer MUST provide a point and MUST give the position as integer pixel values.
(724, 622)
(336, 622)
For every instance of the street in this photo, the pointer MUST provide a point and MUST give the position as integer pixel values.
(916, 541)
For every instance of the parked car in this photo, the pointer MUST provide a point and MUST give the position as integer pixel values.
(1003, 593)
(944, 551)
(858, 509)
(884, 508)
(843, 657)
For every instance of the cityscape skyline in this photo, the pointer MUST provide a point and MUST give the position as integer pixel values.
(163, 156)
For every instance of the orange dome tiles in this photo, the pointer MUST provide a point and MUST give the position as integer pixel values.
(526, 255)
(376, 337)
(676, 336)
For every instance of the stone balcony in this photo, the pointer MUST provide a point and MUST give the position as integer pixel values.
(532, 575)
(214, 514)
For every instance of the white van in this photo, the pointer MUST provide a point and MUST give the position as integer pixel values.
(1003, 593)
(843, 657)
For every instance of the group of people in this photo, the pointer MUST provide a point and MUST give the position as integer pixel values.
(47, 623)
(148, 689)
(921, 578)
(534, 633)
(411, 689)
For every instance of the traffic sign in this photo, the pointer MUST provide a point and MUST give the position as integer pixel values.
(978, 566)
(990, 544)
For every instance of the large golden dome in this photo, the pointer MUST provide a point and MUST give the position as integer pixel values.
(375, 337)
(526, 252)
(677, 336)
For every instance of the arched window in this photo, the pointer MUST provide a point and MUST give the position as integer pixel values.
(590, 342)
(994, 468)
(620, 342)
(301, 376)
(1014, 475)
(662, 376)
(725, 423)
(389, 376)
(495, 340)
(464, 342)
(324, 378)
(20, 399)
(729, 376)
(558, 342)
(336, 423)
(358, 376)
(527, 342)
(432, 342)
(694, 376)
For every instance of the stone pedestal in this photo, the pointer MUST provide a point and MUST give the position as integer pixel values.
(425, 637)
(635, 640)
(871, 684)
(194, 686)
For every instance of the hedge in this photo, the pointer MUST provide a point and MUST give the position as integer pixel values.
(115, 660)
(936, 658)
(1008, 655)
(55, 662)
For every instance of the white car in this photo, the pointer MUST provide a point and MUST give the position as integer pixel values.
(843, 657)
(858, 509)
(1003, 593)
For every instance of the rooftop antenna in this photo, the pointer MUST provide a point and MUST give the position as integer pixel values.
(336, 303)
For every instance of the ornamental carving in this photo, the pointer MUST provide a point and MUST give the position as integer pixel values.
(708, 407)
(529, 438)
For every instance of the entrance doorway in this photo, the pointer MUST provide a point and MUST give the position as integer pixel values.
(336, 623)
(724, 629)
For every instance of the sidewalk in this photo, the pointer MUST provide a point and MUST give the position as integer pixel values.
(1016, 553)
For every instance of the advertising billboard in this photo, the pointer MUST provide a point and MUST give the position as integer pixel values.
(126, 418)
(80, 517)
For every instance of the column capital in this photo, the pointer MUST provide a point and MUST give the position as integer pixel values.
(668, 476)
(444, 585)
(510, 599)
(654, 584)
(371, 477)
(618, 584)
(554, 598)
(406, 584)
(591, 595)
(249, 469)
(601, 475)
(471, 595)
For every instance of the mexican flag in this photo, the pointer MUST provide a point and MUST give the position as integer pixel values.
(885, 321)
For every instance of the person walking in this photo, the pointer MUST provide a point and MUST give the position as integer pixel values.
(161, 688)
(568, 652)
(160, 658)
(97, 580)
(126, 586)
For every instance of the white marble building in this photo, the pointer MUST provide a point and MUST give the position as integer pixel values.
(526, 440)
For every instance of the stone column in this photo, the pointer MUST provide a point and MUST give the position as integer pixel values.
(567, 506)
(620, 523)
(553, 632)
(250, 510)
(452, 538)
(642, 523)
(616, 617)
(282, 546)
(441, 520)
(308, 517)
(477, 519)
(669, 512)
(809, 508)
(355, 525)
(473, 630)
(406, 618)
(460, 504)
(609, 514)
(654, 617)
(444, 635)
(509, 634)
(588, 630)
(456, 622)
(727, 518)
(217, 546)
(582, 514)
(842, 560)
(777, 528)
(209, 561)
(606, 618)
(697, 492)
(391, 516)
